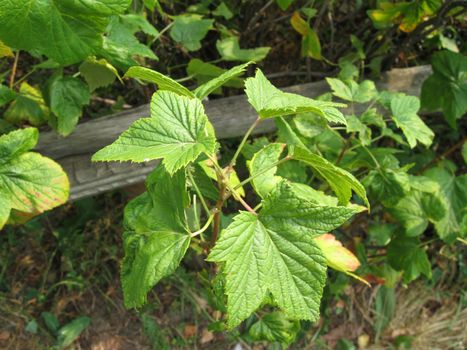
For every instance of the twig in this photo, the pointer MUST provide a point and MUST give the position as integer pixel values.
(242, 143)
(13, 70)
(249, 27)
(445, 154)
(420, 31)
(109, 101)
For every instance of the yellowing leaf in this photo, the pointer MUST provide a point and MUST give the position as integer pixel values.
(299, 24)
(337, 256)
(5, 51)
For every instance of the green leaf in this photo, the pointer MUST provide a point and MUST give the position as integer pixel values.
(270, 102)
(223, 11)
(385, 307)
(274, 327)
(340, 181)
(67, 96)
(189, 30)
(97, 73)
(404, 113)
(156, 237)
(212, 85)
(405, 254)
(203, 72)
(71, 331)
(163, 82)
(121, 45)
(284, 4)
(51, 322)
(29, 183)
(388, 186)
(28, 106)
(274, 252)
(16, 143)
(178, 131)
(65, 31)
(229, 49)
(352, 91)
(453, 194)
(355, 125)
(267, 181)
(6, 95)
(447, 87)
(137, 22)
(311, 45)
(417, 209)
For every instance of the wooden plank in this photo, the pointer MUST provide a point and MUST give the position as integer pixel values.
(230, 116)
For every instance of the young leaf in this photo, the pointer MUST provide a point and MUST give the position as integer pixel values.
(274, 327)
(156, 237)
(404, 113)
(275, 252)
(203, 72)
(189, 30)
(71, 331)
(162, 81)
(5, 51)
(212, 85)
(269, 101)
(223, 11)
(17, 142)
(28, 106)
(230, 50)
(265, 183)
(352, 91)
(6, 95)
(453, 193)
(447, 87)
(29, 183)
(120, 45)
(178, 131)
(98, 73)
(404, 254)
(67, 96)
(337, 256)
(65, 31)
(417, 209)
(388, 186)
(341, 181)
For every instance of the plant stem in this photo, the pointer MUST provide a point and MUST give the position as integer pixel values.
(204, 228)
(245, 138)
(198, 192)
(240, 199)
(13, 70)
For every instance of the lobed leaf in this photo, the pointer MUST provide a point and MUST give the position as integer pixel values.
(269, 101)
(29, 183)
(156, 237)
(65, 31)
(340, 181)
(229, 49)
(274, 252)
(404, 113)
(212, 85)
(67, 96)
(178, 132)
(163, 82)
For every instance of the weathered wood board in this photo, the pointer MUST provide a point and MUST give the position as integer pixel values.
(230, 116)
